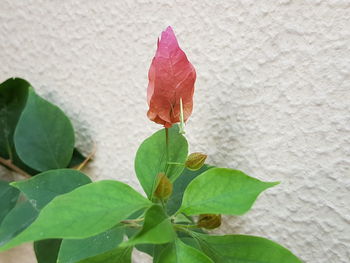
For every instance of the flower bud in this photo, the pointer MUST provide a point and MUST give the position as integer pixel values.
(164, 187)
(209, 221)
(195, 161)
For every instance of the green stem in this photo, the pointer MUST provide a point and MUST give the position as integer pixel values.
(185, 226)
(182, 122)
(9, 151)
(167, 143)
(133, 225)
(185, 230)
(188, 217)
(138, 219)
(163, 204)
(166, 150)
(174, 163)
(166, 162)
(132, 222)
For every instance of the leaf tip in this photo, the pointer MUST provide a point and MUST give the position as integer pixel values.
(14, 184)
(274, 183)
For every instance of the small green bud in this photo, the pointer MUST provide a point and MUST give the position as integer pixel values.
(209, 221)
(195, 161)
(164, 187)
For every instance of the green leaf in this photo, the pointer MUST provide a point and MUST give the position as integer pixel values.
(240, 248)
(73, 250)
(178, 252)
(151, 249)
(157, 250)
(180, 185)
(84, 212)
(151, 158)
(222, 191)
(118, 255)
(18, 162)
(190, 241)
(157, 229)
(8, 198)
(44, 136)
(146, 248)
(18, 219)
(42, 188)
(13, 97)
(46, 251)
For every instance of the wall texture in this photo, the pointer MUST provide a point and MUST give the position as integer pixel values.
(272, 98)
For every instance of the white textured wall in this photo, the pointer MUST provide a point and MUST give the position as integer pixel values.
(272, 97)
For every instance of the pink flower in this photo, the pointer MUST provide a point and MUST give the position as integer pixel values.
(171, 78)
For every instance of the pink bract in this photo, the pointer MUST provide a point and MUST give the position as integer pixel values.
(171, 77)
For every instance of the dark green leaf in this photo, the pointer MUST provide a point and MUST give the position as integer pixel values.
(146, 248)
(178, 252)
(44, 136)
(18, 162)
(240, 248)
(157, 229)
(46, 251)
(73, 250)
(118, 255)
(157, 251)
(8, 198)
(192, 242)
(41, 189)
(151, 158)
(222, 191)
(84, 212)
(180, 185)
(13, 97)
(18, 219)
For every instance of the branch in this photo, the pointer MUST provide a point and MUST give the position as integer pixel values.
(88, 158)
(132, 221)
(8, 163)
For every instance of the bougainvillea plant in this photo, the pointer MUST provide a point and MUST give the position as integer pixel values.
(71, 219)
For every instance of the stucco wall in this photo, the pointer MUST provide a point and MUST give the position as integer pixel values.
(272, 97)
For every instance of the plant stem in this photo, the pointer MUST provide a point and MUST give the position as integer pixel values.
(9, 150)
(133, 225)
(185, 230)
(130, 221)
(188, 217)
(163, 205)
(166, 150)
(185, 226)
(182, 122)
(87, 159)
(8, 163)
(174, 163)
(167, 144)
